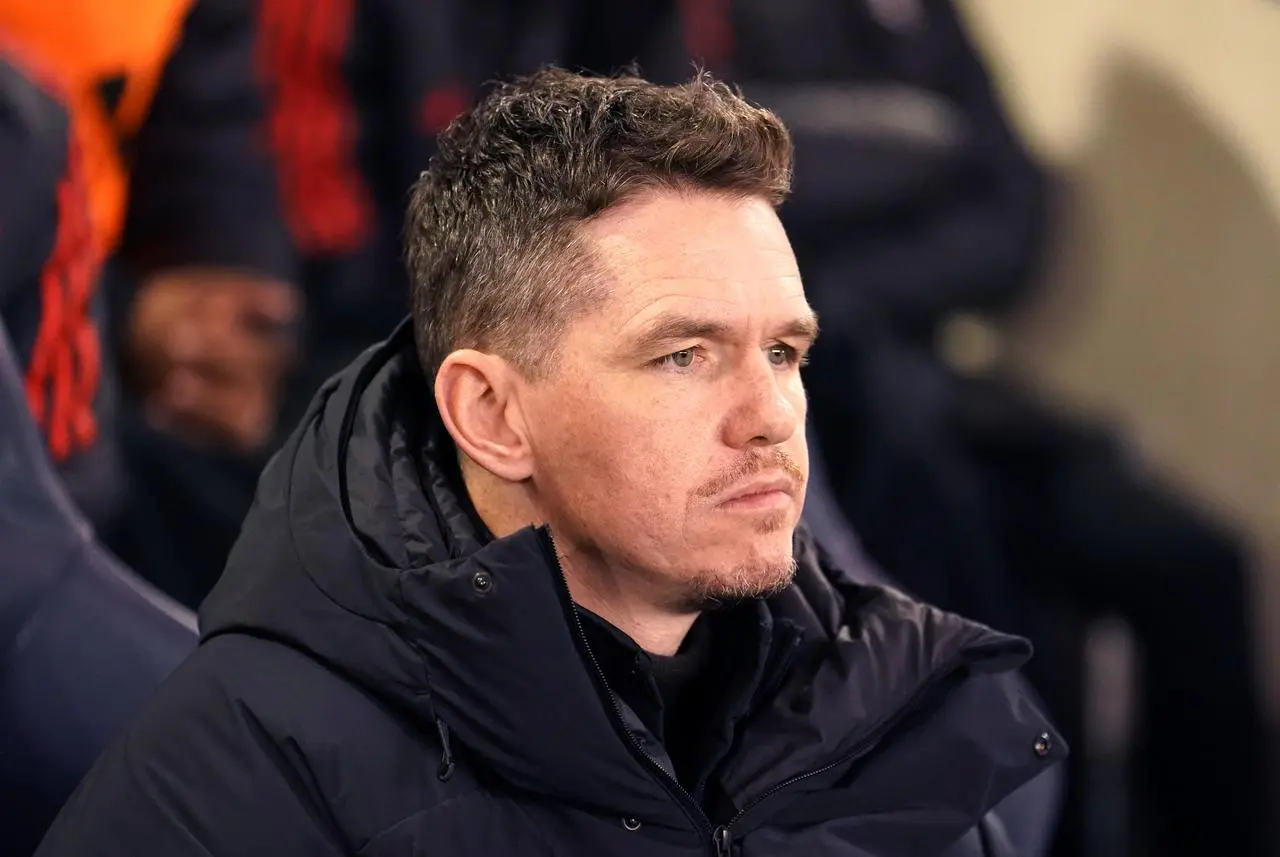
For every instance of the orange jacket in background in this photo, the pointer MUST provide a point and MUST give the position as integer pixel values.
(110, 55)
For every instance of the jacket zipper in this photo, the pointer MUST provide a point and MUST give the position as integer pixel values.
(721, 837)
(695, 812)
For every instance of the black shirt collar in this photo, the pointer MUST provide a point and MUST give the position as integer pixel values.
(691, 701)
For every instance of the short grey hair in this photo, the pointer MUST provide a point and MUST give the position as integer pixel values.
(492, 238)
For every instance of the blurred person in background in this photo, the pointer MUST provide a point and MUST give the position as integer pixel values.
(183, 203)
(84, 641)
(358, 91)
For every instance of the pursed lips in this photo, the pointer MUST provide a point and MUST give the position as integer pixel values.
(759, 489)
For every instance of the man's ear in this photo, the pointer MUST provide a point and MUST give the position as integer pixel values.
(476, 396)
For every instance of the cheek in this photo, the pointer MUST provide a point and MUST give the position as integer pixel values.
(797, 396)
(799, 401)
(623, 457)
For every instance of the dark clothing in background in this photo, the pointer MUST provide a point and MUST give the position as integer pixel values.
(202, 189)
(49, 280)
(203, 193)
(387, 75)
(84, 642)
(1016, 487)
(965, 242)
(1094, 532)
(358, 90)
(376, 676)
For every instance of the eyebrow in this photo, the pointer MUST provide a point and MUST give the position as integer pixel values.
(678, 328)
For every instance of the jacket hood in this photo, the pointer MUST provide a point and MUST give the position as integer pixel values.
(361, 552)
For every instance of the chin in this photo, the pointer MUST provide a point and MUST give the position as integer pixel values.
(776, 551)
(765, 569)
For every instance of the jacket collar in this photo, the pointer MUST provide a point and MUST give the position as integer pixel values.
(360, 552)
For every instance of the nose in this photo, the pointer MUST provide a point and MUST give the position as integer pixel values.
(767, 406)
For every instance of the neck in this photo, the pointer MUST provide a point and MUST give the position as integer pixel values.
(613, 595)
(616, 595)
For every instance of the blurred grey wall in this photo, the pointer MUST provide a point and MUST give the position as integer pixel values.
(1162, 306)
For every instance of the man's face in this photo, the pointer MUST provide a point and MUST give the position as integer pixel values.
(668, 440)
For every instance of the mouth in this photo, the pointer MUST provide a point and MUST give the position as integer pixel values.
(766, 494)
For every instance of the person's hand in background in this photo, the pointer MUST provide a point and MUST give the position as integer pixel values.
(210, 350)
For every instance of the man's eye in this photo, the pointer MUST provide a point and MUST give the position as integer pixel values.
(783, 355)
(682, 359)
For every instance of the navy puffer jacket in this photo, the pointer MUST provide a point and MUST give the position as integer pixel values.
(356, 691)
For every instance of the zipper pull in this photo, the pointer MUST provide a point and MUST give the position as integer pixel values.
(723, 841)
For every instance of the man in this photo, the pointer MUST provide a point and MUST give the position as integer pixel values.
(562, 607)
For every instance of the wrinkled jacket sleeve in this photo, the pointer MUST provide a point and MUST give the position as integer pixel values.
(196, 774)
(203, 185)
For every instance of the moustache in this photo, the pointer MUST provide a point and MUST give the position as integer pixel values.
(774, 460)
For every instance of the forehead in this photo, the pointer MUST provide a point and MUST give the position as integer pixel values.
(695, 250)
